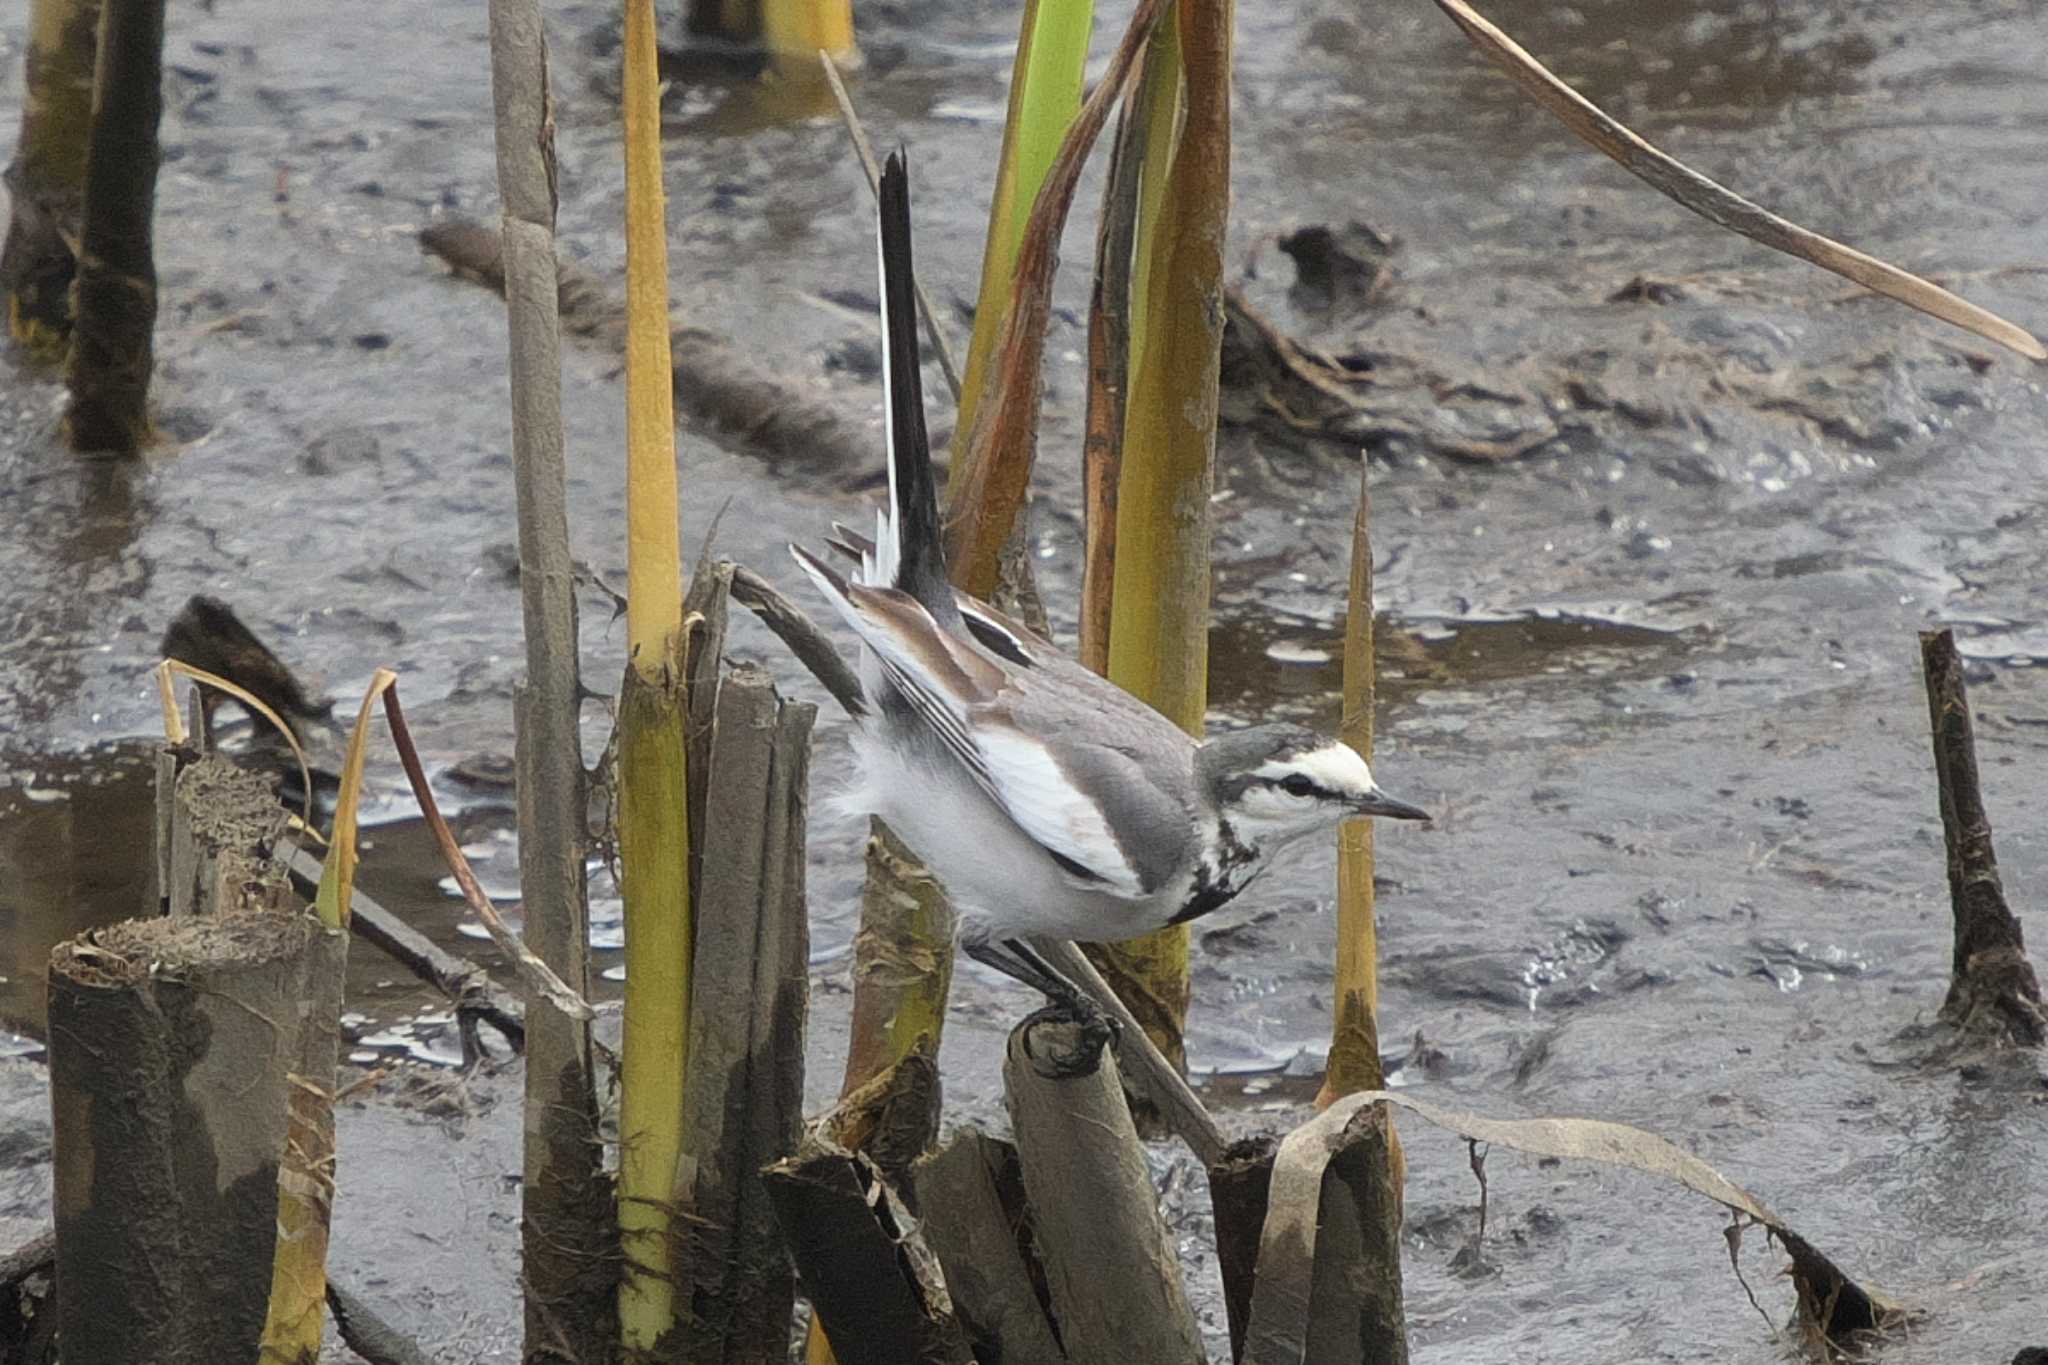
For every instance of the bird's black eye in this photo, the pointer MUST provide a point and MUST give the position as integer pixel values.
(1296, 784)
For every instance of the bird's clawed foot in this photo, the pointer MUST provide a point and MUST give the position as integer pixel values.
(1066, 1038)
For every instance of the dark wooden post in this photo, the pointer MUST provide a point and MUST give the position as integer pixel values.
(112, 334)
(1992, 985)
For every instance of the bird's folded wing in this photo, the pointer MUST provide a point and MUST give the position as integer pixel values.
(945, 682)
(1029, 780)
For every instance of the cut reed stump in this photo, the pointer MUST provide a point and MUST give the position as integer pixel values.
(173, 1043)
(1992, 986)
(1240, 1189)
(115, 290)
(568, 1231)
(871, 1277)
(743, 1095)
(1111, 1269)
(1327, 1290)
(225, 830)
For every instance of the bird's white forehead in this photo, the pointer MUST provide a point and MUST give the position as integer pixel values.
(1336, 767)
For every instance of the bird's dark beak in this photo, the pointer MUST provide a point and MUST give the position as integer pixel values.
(1377, 802)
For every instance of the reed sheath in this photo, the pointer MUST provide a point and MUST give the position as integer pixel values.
(653, 814)
(1159, 619)
(1045, 94)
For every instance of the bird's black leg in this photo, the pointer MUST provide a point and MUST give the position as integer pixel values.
(1066, 1002)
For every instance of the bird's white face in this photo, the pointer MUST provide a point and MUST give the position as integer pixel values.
(1286, 798)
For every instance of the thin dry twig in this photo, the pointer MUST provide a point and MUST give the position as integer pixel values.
(1718, 204)
(866, 152)
(1145, 1068)
(538, 974)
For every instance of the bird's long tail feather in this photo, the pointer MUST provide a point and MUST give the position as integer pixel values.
(909, 552)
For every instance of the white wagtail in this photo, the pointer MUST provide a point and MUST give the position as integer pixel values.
(1046, 800)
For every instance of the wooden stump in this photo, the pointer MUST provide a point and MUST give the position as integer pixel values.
(172, 1047)
(1240, 1186)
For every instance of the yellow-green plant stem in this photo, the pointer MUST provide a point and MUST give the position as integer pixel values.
(654, 854)
(654, 866)
(797, 30)
(1045, 94)
(1159, 617)
(1354, 1063)
(305, 1173)
(1158, 108)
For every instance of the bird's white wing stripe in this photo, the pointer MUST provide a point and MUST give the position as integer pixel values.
(1016, 771)
(1028, 782)
(888, 553)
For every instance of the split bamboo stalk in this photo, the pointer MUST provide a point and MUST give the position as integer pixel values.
(902, 977)
(297, 1316)
(1111, 1269)
(1159, 625)
(114, 292)
(992, 470)
(568, 1232)
(1354, 1062)
(902, 962)
(1045, 94)
(982, 1240)
(1240, 1186)
(654, 845)
(743, 1101)
(46, 180)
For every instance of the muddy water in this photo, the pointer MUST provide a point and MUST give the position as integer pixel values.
(1658, 679)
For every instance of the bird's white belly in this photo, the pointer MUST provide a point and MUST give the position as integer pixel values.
(1001, 881)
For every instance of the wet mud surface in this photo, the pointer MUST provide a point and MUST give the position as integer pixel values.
(1656, 674)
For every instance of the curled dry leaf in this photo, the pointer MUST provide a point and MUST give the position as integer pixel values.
(1828, 1299)
(1718, 204)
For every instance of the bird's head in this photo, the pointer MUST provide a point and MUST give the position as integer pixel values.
(1274, 783)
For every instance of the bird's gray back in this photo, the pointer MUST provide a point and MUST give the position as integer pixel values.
(1134, 763)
